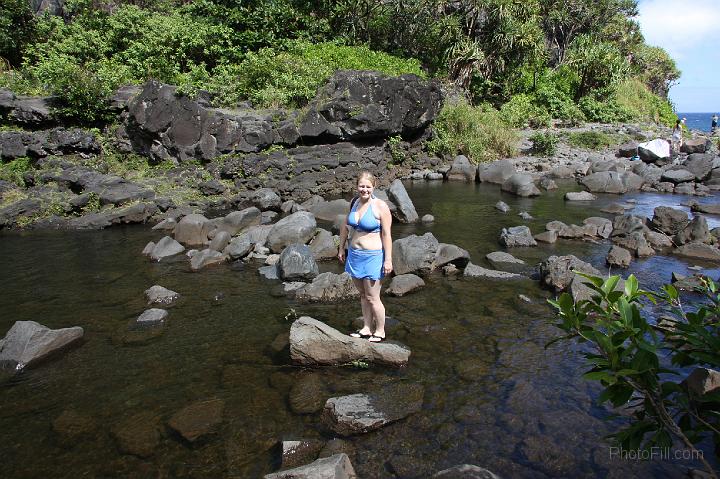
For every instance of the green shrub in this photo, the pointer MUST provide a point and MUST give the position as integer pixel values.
(559, 104)
(593, 140)
(13, 171)
(291, 76)
(603, 111)
(640, 364)
(17, 28)
(544, 143)
(522, 112)
(642, 104)
(476, 132)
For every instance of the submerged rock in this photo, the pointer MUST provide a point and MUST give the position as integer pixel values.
(362, 413)
(299, 453)
(465, 471)
(333, 467)
(28, 343)
(164, 248)
(404, 284)
(475, 271)
(138, 435)
(198, 420)
(327, 287)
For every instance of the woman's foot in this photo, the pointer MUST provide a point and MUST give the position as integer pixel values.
(360, 334)
(376, 339)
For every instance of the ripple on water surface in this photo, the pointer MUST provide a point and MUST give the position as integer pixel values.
(494, 396)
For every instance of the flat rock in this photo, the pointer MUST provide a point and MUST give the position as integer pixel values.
(28, 343)
(138, 435)
(678, 176)
(314, 343)
(505, 261)
(496, 172)
(580, 196)
(404, 284)
(475, 271)
(327, 287)
(699, 251)
(546, 237)
(198, 420)
(205, 258)
(465, 471)
(299, 453)
(152, 316)
(362, 413)
(159, 295)
(337, 466)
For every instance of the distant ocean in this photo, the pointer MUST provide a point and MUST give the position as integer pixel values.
(698, 121)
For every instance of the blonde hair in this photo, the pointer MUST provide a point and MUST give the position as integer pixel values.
(366, 175)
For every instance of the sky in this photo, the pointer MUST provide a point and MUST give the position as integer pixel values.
(689, 30)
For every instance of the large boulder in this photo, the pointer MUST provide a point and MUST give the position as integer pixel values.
(405, 210)
(314, 343)
(329, 210)
(628, 150)
(366, 104)
(669, 220)
(403, 284)
(237, 221)
(297, 263)
(700, 251)
(696, 231)
(296, 228)
(164, 248)
(517, 236)
(695, 145)
(618, 256)
(462, 170)
(266, 199)
(415, 254)
(450, 253)
(327, 287)
(362, 413)
(700, 165)
(612, 182)
(521, 184)
(559, 274)
(193, 230)
(655, 151)
(28, 343)
(496, 172)
(678, 176)
(337, 466)
(205, 258)
(324, 245)
(475, 271)
(505, 261)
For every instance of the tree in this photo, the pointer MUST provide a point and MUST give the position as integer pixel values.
(656, 68)
(598, 64)
(17, 28)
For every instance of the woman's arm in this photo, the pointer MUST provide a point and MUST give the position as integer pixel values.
(386, 236)
(343, 240)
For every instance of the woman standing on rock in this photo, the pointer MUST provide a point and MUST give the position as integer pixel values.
(369, 255)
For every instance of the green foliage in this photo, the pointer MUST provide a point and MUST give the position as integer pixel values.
(626, 355)
(544, 143)
(291, 76)
(93, 205)
(521, 112)
(599, 65)
(593, 140)
(13, 171)
(559, 104)
(476, 132)
(17, 28)
(656, 69)
(642, 104)
(394, 144)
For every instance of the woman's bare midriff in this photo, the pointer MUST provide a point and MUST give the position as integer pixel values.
(365, 240)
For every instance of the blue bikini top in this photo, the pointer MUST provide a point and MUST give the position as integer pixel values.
(367, 223)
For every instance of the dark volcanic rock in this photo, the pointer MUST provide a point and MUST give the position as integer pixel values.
(337, 466)
(669, 220)
(297, 228)
(327, 287)
(198, 420)
(403, 284)
(415, 254)
(405, 211)
(363, 104)
(297, 263)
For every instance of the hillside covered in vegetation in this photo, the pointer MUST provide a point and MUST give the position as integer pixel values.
(573, 60)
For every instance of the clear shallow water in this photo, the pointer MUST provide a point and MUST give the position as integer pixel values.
(493, 395)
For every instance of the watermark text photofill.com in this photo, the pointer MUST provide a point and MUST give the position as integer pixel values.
(655, 453)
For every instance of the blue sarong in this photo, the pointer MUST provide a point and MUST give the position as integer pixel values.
(365, 263)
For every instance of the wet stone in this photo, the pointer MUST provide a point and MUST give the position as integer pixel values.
(337, 446)
(159, 295)
(72, 427)
(308, 394)
(471, 369)
(298, 453)
(198, 420)
(152, 316)
(138, 435)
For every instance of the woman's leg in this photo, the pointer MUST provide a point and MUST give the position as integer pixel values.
(368, 326)
(372, 297)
